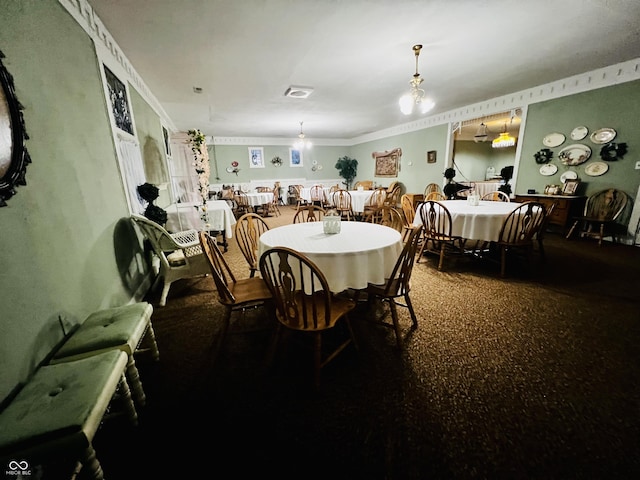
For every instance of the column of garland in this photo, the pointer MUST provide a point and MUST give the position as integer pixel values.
(198, 144)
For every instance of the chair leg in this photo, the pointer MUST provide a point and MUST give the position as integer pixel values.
(503, 261)
(396, 323)
(165, 293)
(414, 319)
(317, 358)
(573, 227)
(441, 261)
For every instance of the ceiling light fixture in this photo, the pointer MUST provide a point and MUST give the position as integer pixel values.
(301, 143)
(416, 95)
(481, 135)
(503, 140)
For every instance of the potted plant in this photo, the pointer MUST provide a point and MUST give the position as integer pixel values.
(347, 168)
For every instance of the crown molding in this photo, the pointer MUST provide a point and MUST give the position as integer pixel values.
(85, 16)
(623, 72)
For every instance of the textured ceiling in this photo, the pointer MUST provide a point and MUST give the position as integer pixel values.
(356, 54)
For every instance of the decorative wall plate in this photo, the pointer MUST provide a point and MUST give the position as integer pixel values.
(568, 175)
(230, 169)
(603, 135)
(579, 133)
(575, 154)
(548, 169)
(595, 169)
(553, 139)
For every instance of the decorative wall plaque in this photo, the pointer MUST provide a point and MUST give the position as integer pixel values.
(387, 162)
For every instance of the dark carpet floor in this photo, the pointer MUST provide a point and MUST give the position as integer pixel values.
(535, 376)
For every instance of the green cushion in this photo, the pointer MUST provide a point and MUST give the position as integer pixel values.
(121, 327)
(65, 400)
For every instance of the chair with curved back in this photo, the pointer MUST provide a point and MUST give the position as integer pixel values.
(436, 232)
(374, 203)
(294, 197)
(389, 217)
(179, 253)
(540, 234)
(234, 294)
(602, 211)
(318, 196)
(398, 285)
(431, 187)
(496, 196)
(408, 213)
(309, 213)
(437, 196)
(393, 196)
(304, 303)
(341, 202)
(247, 231)
(518, 231)
(242, 204)
(365, 184)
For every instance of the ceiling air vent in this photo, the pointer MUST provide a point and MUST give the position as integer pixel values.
(298, 92)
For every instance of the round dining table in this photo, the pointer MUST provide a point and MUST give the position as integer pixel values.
(361, 253)
(475, 222)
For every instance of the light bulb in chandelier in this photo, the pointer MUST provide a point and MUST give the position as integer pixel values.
(416, 96)
(302, 143)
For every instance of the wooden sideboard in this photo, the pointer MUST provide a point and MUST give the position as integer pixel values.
(567, 206)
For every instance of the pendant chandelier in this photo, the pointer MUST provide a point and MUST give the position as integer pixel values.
(503, 140)
(481, 135)
(416, 95)
(301, 143)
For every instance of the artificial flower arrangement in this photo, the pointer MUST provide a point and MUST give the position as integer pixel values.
(197, 140)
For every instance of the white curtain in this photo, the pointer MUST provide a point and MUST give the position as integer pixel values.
(132, 172)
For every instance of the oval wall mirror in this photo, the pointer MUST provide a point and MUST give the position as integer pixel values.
(13, 153)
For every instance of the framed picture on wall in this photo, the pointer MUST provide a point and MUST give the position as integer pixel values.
(119, 102)
(256, 157)
(431, 156)
(295, 157)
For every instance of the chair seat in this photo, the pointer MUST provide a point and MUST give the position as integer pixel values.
(250, 290)
(339, 307)
(176, 259)
(121, 327)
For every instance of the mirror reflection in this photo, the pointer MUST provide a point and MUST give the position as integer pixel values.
(477, 160)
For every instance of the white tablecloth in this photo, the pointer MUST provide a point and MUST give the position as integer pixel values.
(482, 188)
(359, 199)
(256, 199)
(305, 193)
(186, 216)
(481, 222)
(361, 253)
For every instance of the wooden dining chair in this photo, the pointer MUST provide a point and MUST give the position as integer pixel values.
(236, 295)
(374, 203)
(539, 236)
(365, 184)
(431, 187)
(341, 202)
(304, 303)
(437, 196)
(242, 204)
(436, 232)
(518, 231)
(601, 213)
(398, 286)
(389, 217)
(392, 197)
(309, 213)
(318, 196)
(496, 196)
(248, 229)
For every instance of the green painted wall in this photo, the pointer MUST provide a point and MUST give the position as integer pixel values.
(61, 233)
(615, 107)
(415, 173)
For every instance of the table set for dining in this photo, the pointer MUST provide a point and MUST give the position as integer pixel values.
(359, 254)
(475, 222)
(358, 197)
